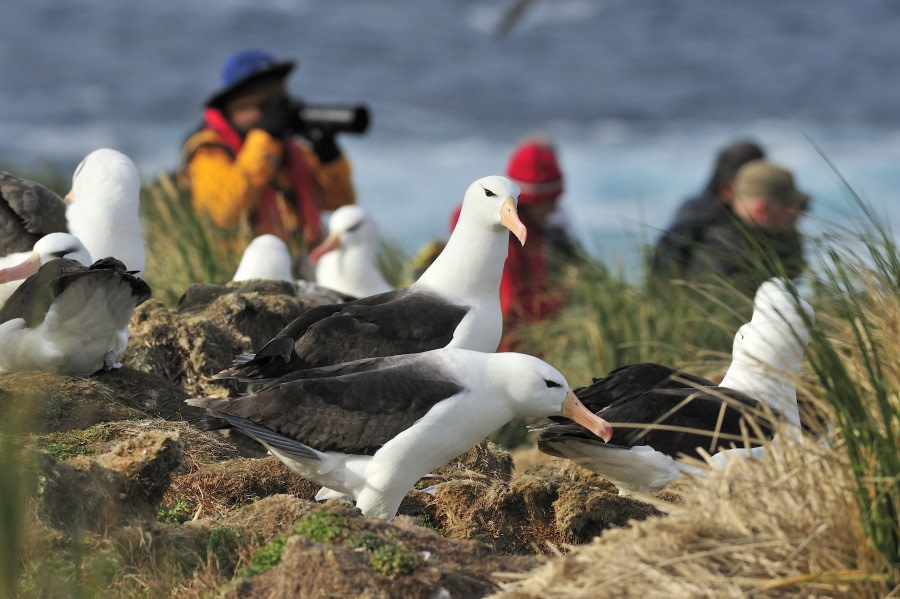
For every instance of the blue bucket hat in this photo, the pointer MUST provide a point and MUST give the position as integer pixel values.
(245, 68)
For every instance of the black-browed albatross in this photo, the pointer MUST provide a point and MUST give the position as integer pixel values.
(68, 317)
(455, 303)
(658, 414)
(28, 211)
(101, 210)
(15, 268)
(371, 428)
(345, 260)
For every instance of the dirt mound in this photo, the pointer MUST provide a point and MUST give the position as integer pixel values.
(521, 516)
(108, 491)
(334, 552)
(53, 402)
(211, 325)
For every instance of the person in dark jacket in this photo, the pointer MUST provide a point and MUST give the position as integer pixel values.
(673, 252)
(760, 239)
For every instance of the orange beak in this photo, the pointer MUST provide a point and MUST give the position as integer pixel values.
(573, 409)
(332, 242)
(509, 218)
(22, 270)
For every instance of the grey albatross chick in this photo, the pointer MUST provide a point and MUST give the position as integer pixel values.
(455, 303)
(69, 318)
(659, 415)
(371, 428)
(28, 211)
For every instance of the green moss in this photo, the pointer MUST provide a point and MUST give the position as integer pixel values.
(70, 444)
(181, 512)
(323, 526)
(265, 558)
(394, 560)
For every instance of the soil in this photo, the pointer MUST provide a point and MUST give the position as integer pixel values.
(128, 492)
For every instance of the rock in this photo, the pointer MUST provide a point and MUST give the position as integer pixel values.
(583, 512)
(335, 552)
(211, 325)
(522, 516)
(110, 491)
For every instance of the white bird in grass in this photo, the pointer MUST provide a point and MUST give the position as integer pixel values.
(455, 303)
(345, 260)
(371, 428)
(266, 257)
(658, 414)
(68, 317)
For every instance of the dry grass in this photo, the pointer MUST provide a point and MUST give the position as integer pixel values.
(785, 526)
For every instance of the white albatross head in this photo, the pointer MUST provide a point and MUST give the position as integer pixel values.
(493, 201)
(266, 257)
(349, 227)
(535, 388)
(49, 247)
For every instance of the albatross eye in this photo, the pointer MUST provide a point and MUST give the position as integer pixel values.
(488, 192)
(550, 384)
(355, 227)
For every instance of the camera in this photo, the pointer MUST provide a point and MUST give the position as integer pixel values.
(336, 117)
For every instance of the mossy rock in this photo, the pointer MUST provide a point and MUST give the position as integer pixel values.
(335, 552)
(212, 325)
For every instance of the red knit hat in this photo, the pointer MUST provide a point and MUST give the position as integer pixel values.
(533, 167)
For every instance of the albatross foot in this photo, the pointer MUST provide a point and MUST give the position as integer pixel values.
(109, 361)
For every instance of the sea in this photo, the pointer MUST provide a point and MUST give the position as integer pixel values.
(638, 96)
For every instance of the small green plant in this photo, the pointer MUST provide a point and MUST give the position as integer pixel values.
(223, 546)
(394, 560)
(265, 558)
(182, 511)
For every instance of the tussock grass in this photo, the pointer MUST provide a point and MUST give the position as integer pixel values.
(184, 247)
(780, 527)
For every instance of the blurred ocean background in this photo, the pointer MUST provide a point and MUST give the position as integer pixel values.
(639, 96)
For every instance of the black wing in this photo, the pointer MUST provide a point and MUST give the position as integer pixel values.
(633, 380)
(392, 323)
(711, 418)
(28, 211)
(33, 298)
(355, 411)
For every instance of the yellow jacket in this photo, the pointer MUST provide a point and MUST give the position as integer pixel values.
(226, 185)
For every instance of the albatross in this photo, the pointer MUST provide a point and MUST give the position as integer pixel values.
(68, 317)
(266, 257)
(371, 428)
(101, 210)
(15, 268)
(345, 260)
(659, 414)
(455, 303)
(28, 211)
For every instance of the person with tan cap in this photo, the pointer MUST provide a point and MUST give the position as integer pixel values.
(245, 159)
(674, 249)
(761, 240)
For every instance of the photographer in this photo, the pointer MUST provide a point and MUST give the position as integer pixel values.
(244, 159)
